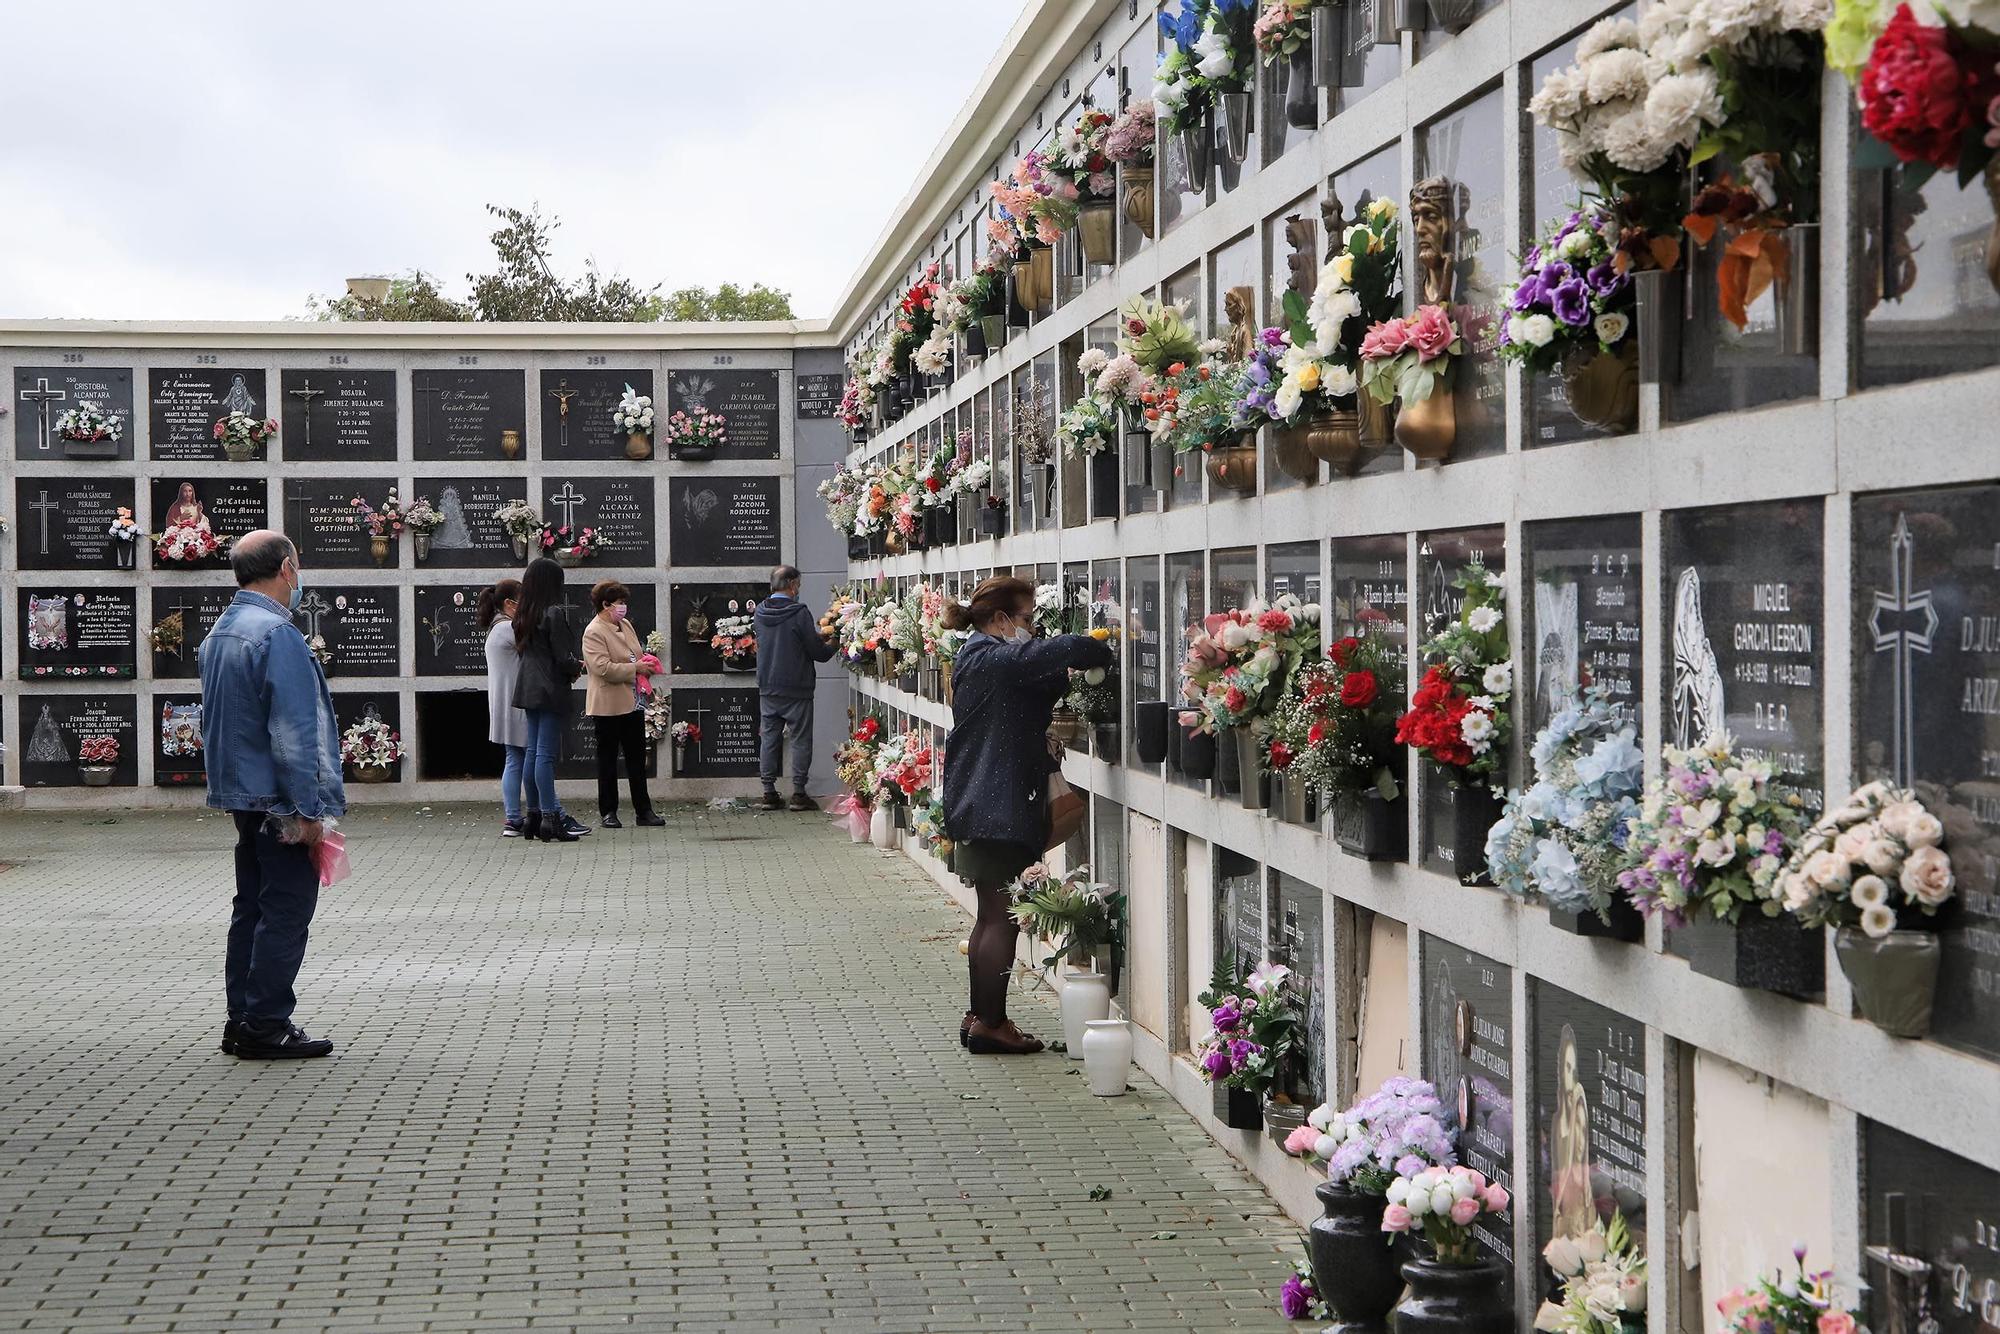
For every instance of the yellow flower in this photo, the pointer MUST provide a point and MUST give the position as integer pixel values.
(1309, 377)
(1343, 268)
(1100, 634)
(1381, 209)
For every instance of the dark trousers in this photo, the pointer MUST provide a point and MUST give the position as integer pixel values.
(785, 722)
(277, 888)
(624, 734)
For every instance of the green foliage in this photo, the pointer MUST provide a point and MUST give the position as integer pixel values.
(413, 297)
(727, 302)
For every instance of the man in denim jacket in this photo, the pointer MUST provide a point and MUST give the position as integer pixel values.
(273, 756)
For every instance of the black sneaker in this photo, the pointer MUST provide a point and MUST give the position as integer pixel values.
(232, 1035)
(281, 1040)
(612, 822)
(510, 829)
(801, 802)
(771, 802)
(651, 819)
(571, 825)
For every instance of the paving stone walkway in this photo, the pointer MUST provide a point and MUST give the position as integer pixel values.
(683, 1079)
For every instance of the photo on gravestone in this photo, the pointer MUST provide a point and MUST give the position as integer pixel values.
(185, 403)
(1590, 1118)
(746, 400)
(619, 508)
(693, 613)
(352, 629)
(728, 723)
(1441, 557)
(470, 537)
(337, 416)
(72, 412)
(450, 640)
(191, 520)
(1584, 617)
(816, 396)
(64, 523)
(1468, 1026)
(724, 520)
(577, 757)
(1930, 1245)
(576, 408)
(70, 732)
(320, 516)
(1239, 913)
(177, 754)
(183, 614)
(1298, 941)
(72, 633)
(1455, 211)
(377, 708)
(1741, 593)
(465, 414)
(1927, 713)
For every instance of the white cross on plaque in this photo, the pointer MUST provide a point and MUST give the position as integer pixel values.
(42, 507)
(696, 713)
(312, 606)
(1894, 621)
(567, 500)
(41, 396)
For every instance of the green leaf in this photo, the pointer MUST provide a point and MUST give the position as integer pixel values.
(1385, 785)
(1704, 150)
(1100, 1192)
(1294, 306)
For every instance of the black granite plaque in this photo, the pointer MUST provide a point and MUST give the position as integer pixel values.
(450, 641)
(1931, 1236)
(183, 404)
(338, 416)
(642, 607)
(728, 722)
(1927, 711)
(693, 610)
(1468, 1036)
(578, 755)
(69, 632)
(1440, 558)
(1584, 613)
(1371, 586)
(198, 609)
(1148, 679)
(64, 523)
(43, 393)
(231, 507)
(1590, 1117)
(619, 507)
(354, 706)
(177, 752)
(321, 517)
(747, 399)
(1239, 913)
(1298, 941)
(576, 408)
(1742, 593)
(56, 726)
(461, 414)
(817, 395)
(359, 624)
(725, 520)
(471, 538)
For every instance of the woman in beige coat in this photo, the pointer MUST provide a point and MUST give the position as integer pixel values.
(614, 660)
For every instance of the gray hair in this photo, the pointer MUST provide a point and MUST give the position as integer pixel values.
(256, 557)
(783, 577)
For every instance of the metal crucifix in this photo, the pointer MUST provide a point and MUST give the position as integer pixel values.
(562, 394)
(567, 500)
(424, 384)
(312, 606)
(1903, 622)
(306, 394)
(41, 396)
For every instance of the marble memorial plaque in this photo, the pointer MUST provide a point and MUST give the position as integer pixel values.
(1742, 596)
(1927, 712)
(338, 416)
(1931, 1244)
(641, 607)
(177, 752)
(1440, 558)
(321, 517)
(578, 755)
(459, 414)
(471, 538)
(450, 641)
(64, 523)
(621, 508)
(576, 408)
(748, 400)
(198, 609)
(1590, 1117)
(56, 726)
(360, 624)
(1468, 1037)
(184, 403)
(42, 394)
(817, 395)
(1239, 913)
(1585, 619)
(1298, 941)
(228, 506)
(354, 706)
(69, 632)
(693, 610)
(728, 722)
(725, 520)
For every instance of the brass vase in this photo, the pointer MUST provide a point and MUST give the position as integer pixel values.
(510, 444)
(1292, 452)
(1603, 387)
(1036, 279)
(1335, 437)
(1233, 464)
(1138, 184)
(1378, 423)
(378, 547)
(1097, 226)
(638, 446)
(1428, 428)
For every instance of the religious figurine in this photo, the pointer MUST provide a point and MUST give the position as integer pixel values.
(1437, 207)
(1239, 304)
(698, 625)
(1333, 221)
(185, 512)
(1302, 239)
(562, 394)
(239, 398)
(1697, 706)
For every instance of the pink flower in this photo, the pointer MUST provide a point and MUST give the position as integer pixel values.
(1464, 1211)
(1430, 332)
(1300, 1140)
(1836, 1322)
(1395, 1218)
(1385, 340)
(1496, 1197)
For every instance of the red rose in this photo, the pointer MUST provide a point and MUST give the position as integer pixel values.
(1358, 690)
(1281, 755)
(1914, 96)
(1234, 700)
(1342, 649)
(1316, 734)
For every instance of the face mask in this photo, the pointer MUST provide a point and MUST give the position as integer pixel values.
(1022, 635)
(618, 613)
(298, 588)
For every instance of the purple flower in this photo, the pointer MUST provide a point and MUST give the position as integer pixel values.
(1556, 274)
(1242, 1051)
(1226, 1017)
(1217, 1063)
(1571, 302)
(1296, 1298)
(1605, 280)
(1529, 293)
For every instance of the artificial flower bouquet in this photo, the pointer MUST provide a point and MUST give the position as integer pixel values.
(1397, 1128)
(387, 521)
(1800, 1303)
(1130, 140)
(854, 759)
(519, 520)
(370, 744)
(1603, 1277)
(842, 493)
(1460, 717)
(1410, 358)
(1156, 334)
(1282, 29)
(1077, 156)
(1183, 94)
(1879, 855)
(1564, 836)
(735, 637)
(1077, 915)
(1927, 76)
(240, 433)
(1443, 1205)
(186, 543)
(634, 413)
(1239, 661)
(97, 751)
(88, 422)
(1037, 203)
(1358, 288)
(1712, 835)
(168, 635)
(1255, 1028)
(576, 543)
(321, 651)
(695, 430)
(1334, 728)
(124, 527)
(422, 516)
(1572, 295)
(685, 733)
(903, 769)
(657, 707)
(1298, 1298)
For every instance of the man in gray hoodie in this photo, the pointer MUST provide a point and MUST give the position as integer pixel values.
(788, 644)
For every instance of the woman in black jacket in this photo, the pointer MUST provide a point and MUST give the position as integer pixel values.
(549, 664)
(1005, 686)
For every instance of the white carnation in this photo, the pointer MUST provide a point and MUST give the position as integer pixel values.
(1615, 74)
(1604, 35)
(1680, 105)
(1629, 144)
(1559, 100)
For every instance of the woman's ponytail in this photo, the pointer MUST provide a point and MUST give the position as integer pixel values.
(493, 599)
(956, 616)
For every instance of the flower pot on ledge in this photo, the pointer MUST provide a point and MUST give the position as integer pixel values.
(1894, 977)
(1621, 921)
(1355, 1273)
(1474, 809)
(1366, 826)
(1758, 952)
(1239, 1109)
(1151, 720)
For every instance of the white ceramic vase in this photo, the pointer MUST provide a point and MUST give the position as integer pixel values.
(1085, 996)
(1107, 1055)
(882, 828)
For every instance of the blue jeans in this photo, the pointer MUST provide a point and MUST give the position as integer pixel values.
(277, 888)
(544, 736)
(511, 774)
(785, 722)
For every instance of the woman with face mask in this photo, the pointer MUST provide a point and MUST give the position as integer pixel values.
(998, 763)
(618, 667)
(507, 726)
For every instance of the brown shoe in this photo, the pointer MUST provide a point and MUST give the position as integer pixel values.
(964, 1027)
(1006, 1040)
(801, 802)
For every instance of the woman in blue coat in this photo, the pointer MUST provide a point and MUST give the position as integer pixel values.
(1005, 686)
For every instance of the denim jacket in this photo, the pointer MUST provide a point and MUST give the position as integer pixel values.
(268, 734)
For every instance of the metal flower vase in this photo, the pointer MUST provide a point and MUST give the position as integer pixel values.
(1326, 45)
(1237, 121)
(1657, 307)
(1253, 783)
(1474, 808)
(1097, 228)
(1197, 143)
(1602, 388)
(1335, 439)
(1453, 16)
(1795, 291)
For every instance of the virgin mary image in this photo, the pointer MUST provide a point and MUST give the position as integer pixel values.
(1572, 1207)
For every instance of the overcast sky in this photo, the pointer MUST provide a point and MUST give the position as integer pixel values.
(225, 160)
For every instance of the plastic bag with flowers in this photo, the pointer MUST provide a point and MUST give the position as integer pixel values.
(1334, 728)
(1712, 835)
(1255, 1028)
(1603, 1276)
(1298, 1299)
(1801, 1303)
(1859, 866)
(842, 493)
(1459, 716)
(1397, 1127)
(1564, 835)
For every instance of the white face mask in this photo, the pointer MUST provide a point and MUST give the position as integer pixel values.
(1022, 634)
